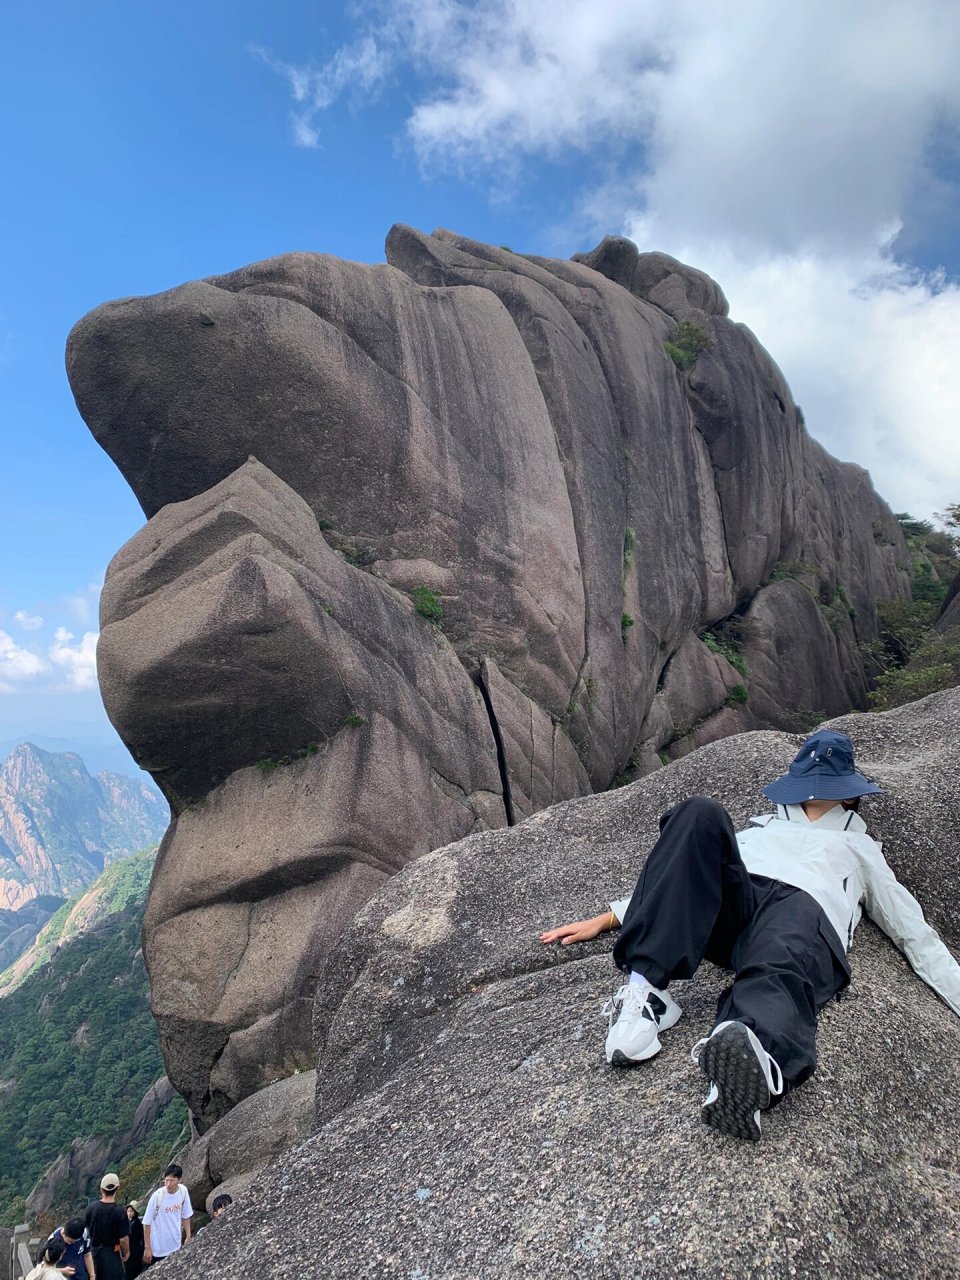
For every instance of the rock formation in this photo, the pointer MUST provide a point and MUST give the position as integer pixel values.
(469, 1126)
(19, 928)
(435, 544)
(231, 1155)
(949, 615)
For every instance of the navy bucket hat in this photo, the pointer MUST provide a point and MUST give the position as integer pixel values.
(823, 770)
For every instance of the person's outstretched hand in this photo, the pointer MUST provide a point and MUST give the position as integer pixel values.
(578, 930)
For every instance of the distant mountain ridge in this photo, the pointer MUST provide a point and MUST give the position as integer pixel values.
(100, 755)
(121, 887)
(60, 826)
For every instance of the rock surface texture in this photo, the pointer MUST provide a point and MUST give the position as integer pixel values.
(456, 538)
(230, 1155)
(468, 1125)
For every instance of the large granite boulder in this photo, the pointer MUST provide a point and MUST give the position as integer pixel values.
(274, 644)
(228, 1157)
(433, 544)
(469, 1126)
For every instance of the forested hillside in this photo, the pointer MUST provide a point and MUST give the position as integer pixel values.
(78, 1044)
(123, 885)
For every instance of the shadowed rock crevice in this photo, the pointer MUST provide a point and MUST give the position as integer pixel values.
(498, 739)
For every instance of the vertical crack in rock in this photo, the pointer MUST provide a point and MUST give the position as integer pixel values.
(695, 425)
(498, 741)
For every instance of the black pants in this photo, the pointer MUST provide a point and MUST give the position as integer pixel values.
(696, 900)
(107, 1264)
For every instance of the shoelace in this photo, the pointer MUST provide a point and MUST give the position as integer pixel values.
(612, 1008)
(778, 1087)
(629, 991)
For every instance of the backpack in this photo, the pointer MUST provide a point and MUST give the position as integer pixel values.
(158, 1196)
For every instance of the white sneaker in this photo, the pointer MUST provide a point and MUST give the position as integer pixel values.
(636, 1014)
(743, 1077)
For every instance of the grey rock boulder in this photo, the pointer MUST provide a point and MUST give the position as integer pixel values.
(468, 1125)
(231, 1154)
(301, 715)
(792, 643)
(672, 286)
(503, 442)
(949, 615)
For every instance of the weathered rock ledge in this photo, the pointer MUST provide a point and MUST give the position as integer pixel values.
(469, 1127)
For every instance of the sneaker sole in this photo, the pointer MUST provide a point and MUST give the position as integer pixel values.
(620, 1059)
(729, 1062)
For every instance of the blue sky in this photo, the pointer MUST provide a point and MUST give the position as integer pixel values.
(805, 155)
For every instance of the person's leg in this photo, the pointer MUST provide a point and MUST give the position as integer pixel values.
(107, 1264)
(693, 898)
(788, 963)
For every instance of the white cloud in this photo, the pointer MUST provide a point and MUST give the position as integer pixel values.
(776, 145)
(17, 663)
(29, 621)
(78, 662)
(359, 67)
(866, 345)
(84, 603)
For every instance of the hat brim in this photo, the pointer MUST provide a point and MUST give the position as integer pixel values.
(820, 786)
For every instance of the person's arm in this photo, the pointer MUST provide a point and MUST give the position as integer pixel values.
(186, 1213)
(900, 916)
(88, 1263)
(582, 930)
(147, 1252)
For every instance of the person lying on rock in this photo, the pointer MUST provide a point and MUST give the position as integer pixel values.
(777, 904)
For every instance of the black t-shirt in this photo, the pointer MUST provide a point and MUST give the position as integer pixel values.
(107, 1224)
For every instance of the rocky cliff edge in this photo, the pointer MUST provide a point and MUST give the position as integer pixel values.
(468, 1125)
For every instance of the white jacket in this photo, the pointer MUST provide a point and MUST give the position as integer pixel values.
(837, 863)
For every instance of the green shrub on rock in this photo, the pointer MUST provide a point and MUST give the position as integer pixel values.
(726, 639)
(427, 603)
(685, 344)
(932, 666)
(903, 625)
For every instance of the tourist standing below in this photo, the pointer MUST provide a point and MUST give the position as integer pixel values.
(76, 1251)
(134, 1264)
(109, 1232)
(166, 1224)
(46, 1268)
